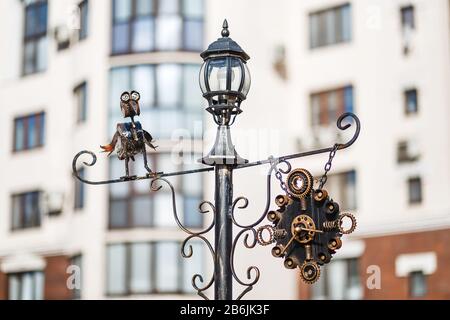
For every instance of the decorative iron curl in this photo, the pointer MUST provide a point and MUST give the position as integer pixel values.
(348, 125)
(250, 228)
(154, 187)
(192, 235)
(249, 285)
(196, 276)
(273, 167)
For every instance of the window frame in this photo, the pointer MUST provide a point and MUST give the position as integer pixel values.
(21, 275)
(410, 183)
(345, 179)
(406, 97)
(82, 89)
(321, 32)
(180, 106)
(411, 290)
(405, 9)
(133, 193)
(135, 16)
(33, 38)
(321, 289)
(322, 101)
(40, 118)
(80, 191)
(83, 33)
(152, 246)
(22, 198)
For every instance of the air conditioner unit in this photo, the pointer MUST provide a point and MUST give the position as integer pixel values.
(62, 37)
(407, 151)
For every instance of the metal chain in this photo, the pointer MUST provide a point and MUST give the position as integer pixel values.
(327, 167)
(278, 174)
(280, 178)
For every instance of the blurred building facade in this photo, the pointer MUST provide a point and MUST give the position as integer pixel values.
(63, 71)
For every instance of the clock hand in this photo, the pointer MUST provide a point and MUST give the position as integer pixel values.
(287, 245)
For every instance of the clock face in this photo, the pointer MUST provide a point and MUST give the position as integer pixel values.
(307, 226)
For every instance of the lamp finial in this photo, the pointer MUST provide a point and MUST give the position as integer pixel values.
(225, 32)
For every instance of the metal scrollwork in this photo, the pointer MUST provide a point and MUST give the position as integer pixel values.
(250, 228)
(306, 228)
(192, 235)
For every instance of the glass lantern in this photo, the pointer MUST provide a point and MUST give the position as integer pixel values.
(224, 76)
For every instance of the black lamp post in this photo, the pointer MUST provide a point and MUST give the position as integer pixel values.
(225, 81)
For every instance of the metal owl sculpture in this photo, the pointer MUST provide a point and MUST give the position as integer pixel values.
(130, 139)
(307, 227)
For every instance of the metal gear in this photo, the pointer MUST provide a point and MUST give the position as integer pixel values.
(260, 238)
(309, 272)
(299, 183)
(306, 227)
(341, 218)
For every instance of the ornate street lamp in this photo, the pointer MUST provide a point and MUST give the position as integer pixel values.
(225, 81)
(305, 227)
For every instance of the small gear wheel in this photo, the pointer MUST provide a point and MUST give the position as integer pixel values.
(341, 220)
(300, 183)
(260, 237)
(310, 272)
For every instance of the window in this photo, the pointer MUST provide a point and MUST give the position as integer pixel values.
(417, 284)
(26, 210)
(408, 26)
(155, 267)
(164, 25)
(78, 262)
(342, 188)
(327, 106)
(29, 131)
(132, 206)
(415, 190)
(330, 26)
(340, 279)
(80, 93)
(79, 190)
(26, 286)
(35, 37)
(170, 98)
(411, 101)
(407, 16)
(84, 23)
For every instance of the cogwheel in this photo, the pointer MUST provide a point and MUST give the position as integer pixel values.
(309, 272)
(300, 183)
(340, 223)
(260, 237)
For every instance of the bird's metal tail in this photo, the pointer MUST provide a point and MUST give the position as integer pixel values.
(112, 146)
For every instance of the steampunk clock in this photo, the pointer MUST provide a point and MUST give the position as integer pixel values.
(307, 226)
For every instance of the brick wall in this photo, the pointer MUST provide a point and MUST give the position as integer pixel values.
(55, 287)
(383, 251)
(3, 286)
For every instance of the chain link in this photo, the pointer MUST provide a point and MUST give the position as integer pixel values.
(278, 175)
(327, 167)
(280, 178)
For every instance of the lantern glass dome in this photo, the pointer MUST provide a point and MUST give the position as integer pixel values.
(225, 75)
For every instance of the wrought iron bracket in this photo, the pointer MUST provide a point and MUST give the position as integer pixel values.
(247, 231)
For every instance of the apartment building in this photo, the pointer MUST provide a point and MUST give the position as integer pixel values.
(67, 62)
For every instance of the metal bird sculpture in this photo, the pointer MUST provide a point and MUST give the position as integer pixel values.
(130, 138)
